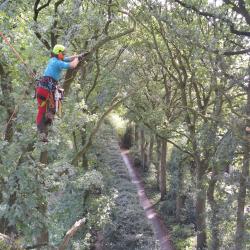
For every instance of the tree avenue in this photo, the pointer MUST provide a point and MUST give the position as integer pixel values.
(177, 73)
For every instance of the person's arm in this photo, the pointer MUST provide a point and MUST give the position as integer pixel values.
(74, 63)
(71, 58)
(79, 56)
(68, 65)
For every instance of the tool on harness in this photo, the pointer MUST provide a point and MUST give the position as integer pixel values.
(43, 103)
(46, 82)
(58, 95)
(53, 98)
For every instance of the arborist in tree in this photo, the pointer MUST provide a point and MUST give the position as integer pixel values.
(48, 93)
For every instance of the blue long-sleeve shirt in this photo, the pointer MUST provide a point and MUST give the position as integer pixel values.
(55, 67)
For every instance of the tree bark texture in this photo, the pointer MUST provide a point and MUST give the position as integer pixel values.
(8, 101)
(163, 167)
(126, 140)
(43, 237)
(142, 148)
(136, 136)
(150, 150)
(201, 210)
(215, 220)
(158, 161)
(70, 233)
(84, 156)
(241, 217)
(180, 198)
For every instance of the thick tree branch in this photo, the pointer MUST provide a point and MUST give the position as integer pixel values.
(233, 53)
(38, 9)
(89, 140)
(36, 246)
(115, 58)
(35, 17)
(71, 74)
(71, 232)
(10, 243)
(161, 136)
(44, 41)
(214, 16)
(96, 77)
(53, 35)
(240, 9)
(105, 30)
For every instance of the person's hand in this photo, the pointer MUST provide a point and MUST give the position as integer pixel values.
(74, 63)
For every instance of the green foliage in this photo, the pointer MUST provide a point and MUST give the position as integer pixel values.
(4, 246)
(186, 91)
(118, 124)
(183, 235)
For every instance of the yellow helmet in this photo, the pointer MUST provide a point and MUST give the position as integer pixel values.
(58, 48)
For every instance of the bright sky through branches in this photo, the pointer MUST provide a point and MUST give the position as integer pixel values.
(215, 2)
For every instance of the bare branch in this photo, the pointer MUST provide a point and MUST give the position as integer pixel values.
(96, 76)
(35, 17)
(114, 104)
(53, 35)
(233, 53)
(241, 9)
(105, 31)
(37, 10)
(71, 74)
(44, 41)
(71, 232)
(10, 243)
(214, 16)
(161, 136)
(36, 246)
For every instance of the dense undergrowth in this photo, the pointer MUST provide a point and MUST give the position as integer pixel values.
(127, 227)
(103, 195)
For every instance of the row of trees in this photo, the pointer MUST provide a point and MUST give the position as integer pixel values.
(180, 68)
(196, 98)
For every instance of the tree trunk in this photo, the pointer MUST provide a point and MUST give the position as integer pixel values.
(241, 217)
(3, 221)
(43, 237)
(180, 202)
(150, 150)
(180, 198)
(136, 137)
(126, 140)
(9, 104)
(201, 210)
(142, 145)
(158, 161)
(163, 167)
(84, 157)
(215, 220)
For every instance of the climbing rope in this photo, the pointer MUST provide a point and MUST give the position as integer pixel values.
(30, 73)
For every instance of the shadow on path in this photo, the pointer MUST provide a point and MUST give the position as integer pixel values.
(158, 225)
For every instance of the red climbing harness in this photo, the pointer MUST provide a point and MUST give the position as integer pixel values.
(49, 97)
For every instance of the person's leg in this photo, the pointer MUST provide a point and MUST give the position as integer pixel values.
(41, 120)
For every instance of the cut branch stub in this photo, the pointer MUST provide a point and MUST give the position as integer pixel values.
(71, 232)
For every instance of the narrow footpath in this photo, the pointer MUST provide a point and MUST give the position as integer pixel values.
(159, 228)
